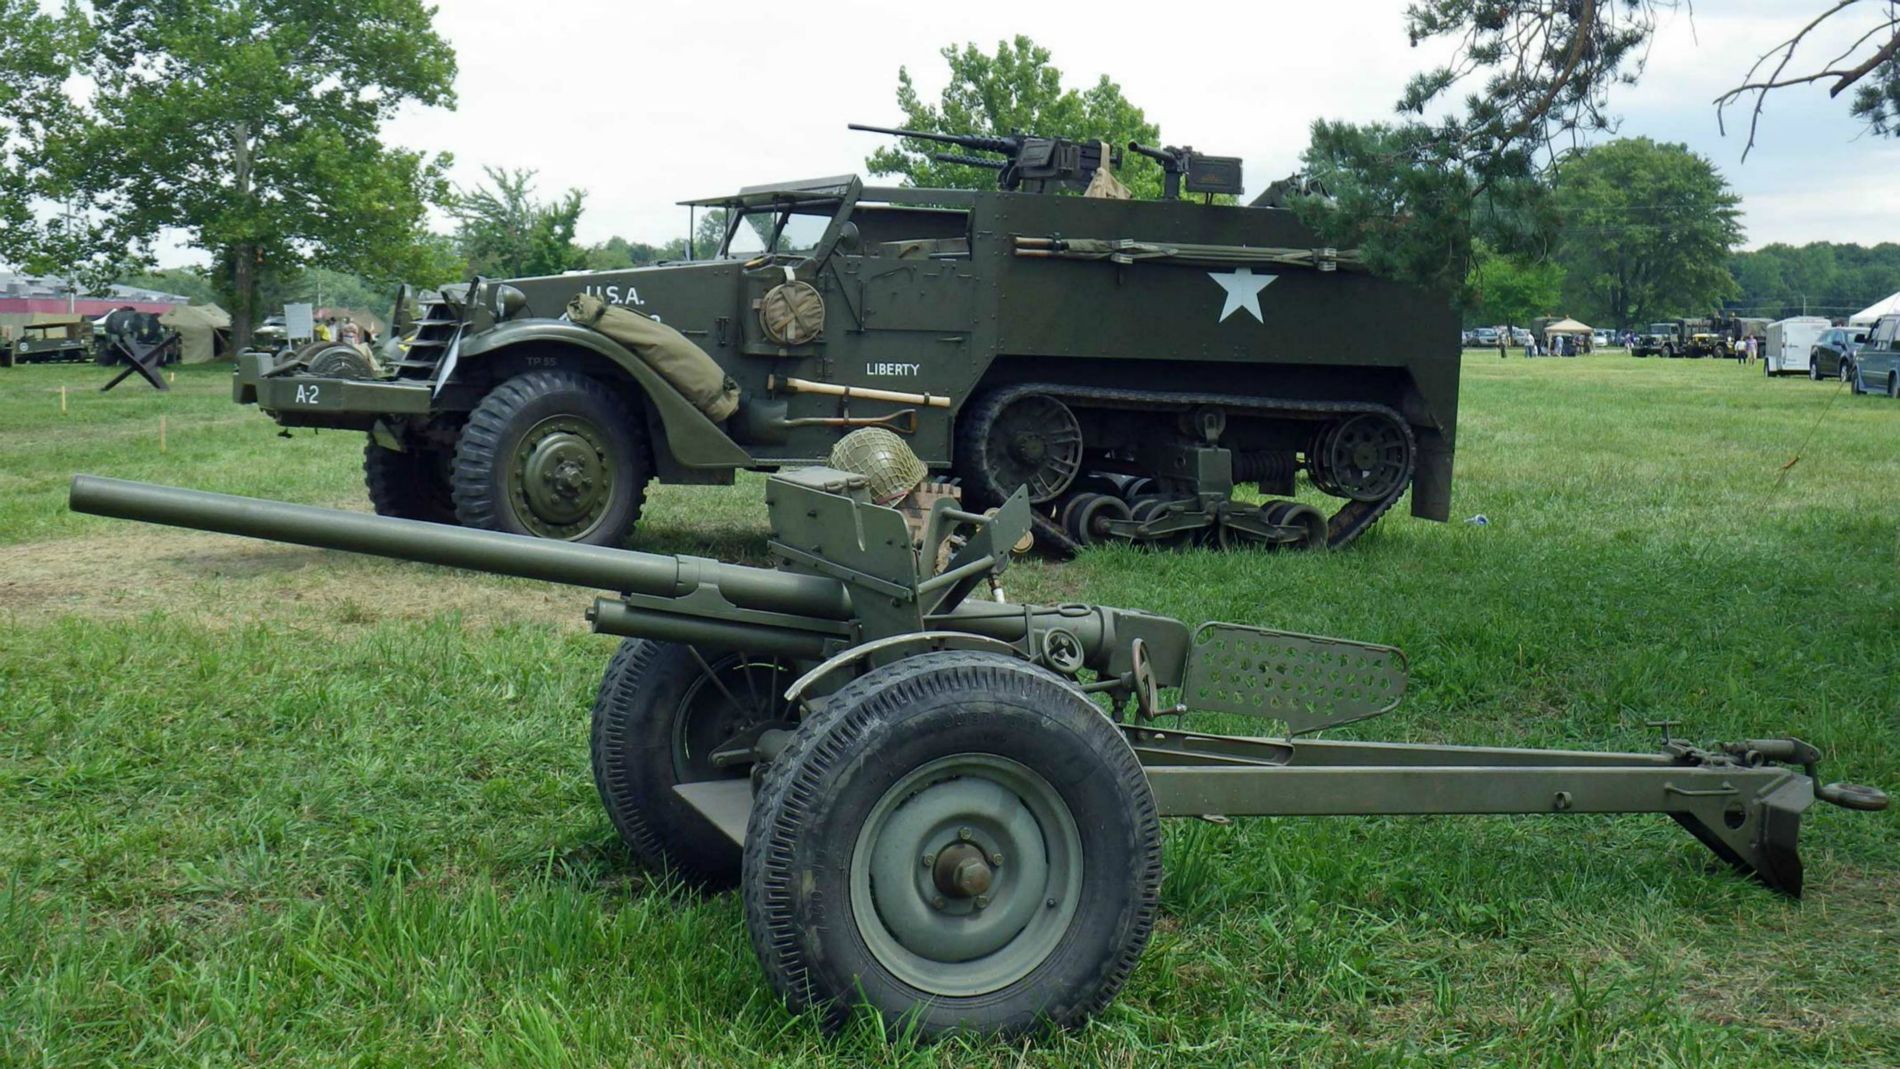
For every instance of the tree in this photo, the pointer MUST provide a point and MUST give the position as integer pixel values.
(619, 254)
(252, 125)
(507, 233)
(1507, 291)
(1820, 278)
(1537, 77)
(1647, 231)
(1017, 90)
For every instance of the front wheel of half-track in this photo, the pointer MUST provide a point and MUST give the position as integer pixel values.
(410, 485)
(555, 455)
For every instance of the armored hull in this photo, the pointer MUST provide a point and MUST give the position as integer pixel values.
(1130, 362)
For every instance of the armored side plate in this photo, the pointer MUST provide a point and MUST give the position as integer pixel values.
(1305, 681)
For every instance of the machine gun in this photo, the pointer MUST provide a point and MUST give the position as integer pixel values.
(1205, 174)
(1030, 164)
(927, 808)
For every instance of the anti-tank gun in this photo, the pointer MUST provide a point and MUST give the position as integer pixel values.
(911, 780)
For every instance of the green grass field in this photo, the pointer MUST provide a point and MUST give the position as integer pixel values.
(262, 805)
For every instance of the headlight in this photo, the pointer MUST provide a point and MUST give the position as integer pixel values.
(506, 301)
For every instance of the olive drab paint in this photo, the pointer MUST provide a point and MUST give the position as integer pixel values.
(1209, 345)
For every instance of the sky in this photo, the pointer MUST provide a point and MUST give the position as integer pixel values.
(643, 105)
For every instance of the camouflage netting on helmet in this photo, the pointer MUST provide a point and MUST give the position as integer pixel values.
(693, 373)
(889, 467)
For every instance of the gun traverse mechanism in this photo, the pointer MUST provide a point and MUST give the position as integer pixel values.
(924, 805)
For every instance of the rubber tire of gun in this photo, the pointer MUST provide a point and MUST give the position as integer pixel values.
(817, 795)
(631, 750)
(511, 410)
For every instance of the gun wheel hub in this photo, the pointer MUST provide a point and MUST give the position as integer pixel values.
(966, 874)
(563, 477)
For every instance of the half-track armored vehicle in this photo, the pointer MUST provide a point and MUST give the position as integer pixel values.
(60, 339)
(1131, 362)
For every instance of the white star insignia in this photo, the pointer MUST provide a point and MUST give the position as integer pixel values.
(1243, 291)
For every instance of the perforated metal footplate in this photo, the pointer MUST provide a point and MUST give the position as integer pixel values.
(1305, 681)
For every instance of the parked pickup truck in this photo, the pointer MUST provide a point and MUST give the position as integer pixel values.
(1877, 363)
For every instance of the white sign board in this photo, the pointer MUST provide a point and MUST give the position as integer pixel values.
(300, 322)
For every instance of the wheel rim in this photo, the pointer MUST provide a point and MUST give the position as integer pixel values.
(1035, 442)
(731, 697)
(561, 481)
(1366, 458)
(929, 895)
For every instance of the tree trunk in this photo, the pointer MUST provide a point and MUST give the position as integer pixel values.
(244, 289)
(243, 253)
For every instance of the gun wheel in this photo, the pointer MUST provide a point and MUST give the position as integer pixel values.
(662, 711)
(957, 841)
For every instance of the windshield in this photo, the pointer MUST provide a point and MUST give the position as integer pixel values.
(772, 230)
(1661, 328)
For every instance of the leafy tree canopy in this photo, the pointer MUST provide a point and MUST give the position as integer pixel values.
(251, 125)
(1016, 90)
(1822, 278)
(1536, 76)
(1505, 291)
(507, 233)
(618, 254)
(1647, 231)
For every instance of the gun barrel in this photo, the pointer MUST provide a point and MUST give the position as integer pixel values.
(972, 141)
(593, 567)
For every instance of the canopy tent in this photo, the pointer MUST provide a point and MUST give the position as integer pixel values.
(203, 331)
(1567, 326)
(1866, 316)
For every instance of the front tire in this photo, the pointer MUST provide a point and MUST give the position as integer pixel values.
(555, 455)
(661, 710)
(959, 841)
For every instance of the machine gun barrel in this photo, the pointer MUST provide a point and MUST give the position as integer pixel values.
(593, 567)
(978, 142)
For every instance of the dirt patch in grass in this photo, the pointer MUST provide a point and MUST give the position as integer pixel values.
(220, 580)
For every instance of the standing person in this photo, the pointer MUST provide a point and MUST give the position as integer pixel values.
(348, 332)
(1504, 342)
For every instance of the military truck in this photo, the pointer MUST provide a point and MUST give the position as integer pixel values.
(1131, 362)
(54, 339)
(1683, 337)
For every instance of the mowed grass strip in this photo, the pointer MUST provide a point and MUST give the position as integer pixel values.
(269, 805)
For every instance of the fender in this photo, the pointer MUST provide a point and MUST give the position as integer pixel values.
(695, 440)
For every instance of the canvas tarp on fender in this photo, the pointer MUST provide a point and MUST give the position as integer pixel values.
(694, 374)
(200, 328)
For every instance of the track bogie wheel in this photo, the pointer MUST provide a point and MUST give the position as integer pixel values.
(1087, 517)
(661, 711)
(958, 841)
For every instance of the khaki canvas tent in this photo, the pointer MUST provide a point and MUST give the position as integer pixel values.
(203, 332)
(1573, 329)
